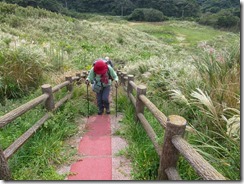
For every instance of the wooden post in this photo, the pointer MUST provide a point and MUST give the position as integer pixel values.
(49, 103)
(85, 73)
(141, 90)
(175, 126)
(124, 75)
(122, 78)
(129, 87)
(70, 86)
(79, 80)
(119, 75)
(4, 169)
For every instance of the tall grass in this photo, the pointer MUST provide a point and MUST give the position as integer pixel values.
(20, 70)
(208, 97)
(217, 109)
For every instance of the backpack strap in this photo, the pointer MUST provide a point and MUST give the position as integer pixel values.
(109, 75)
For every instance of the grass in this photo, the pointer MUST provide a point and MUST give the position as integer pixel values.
(177, 57)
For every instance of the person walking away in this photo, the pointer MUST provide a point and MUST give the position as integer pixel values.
(109, 62)
(99, 75)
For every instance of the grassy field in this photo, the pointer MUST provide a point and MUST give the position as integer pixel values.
(189, 70)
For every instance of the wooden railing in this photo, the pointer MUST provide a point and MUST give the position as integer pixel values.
(48, 98)
(174, 143)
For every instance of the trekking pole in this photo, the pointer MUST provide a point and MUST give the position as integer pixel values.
(116, 99)
(87, 101)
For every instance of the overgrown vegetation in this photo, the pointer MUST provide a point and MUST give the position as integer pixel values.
(189, 70)
(208, 97)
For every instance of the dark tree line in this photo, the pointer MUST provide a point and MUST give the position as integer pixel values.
(170, 8)
(223, 13)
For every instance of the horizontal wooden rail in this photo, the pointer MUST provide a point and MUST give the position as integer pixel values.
(133, 99)
(150, 132)
(201, 166)
(12, 115)
(60, 86)
(162, 119)
(75, 78)
(64, 99)
(133, 85)
(23, 138)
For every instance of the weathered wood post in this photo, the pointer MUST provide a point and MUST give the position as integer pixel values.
(141, 90)
(129, 87)
(70, 86)
(49, 103)
(175, 126)
(4, 169)
(85, 73)
(79, 80)
(123, 76)
(119, 75)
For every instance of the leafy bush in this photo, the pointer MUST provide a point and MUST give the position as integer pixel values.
(222, 19)
(144, 14)
(228, 21)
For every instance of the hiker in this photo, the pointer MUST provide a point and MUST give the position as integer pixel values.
(99, 77)
(108, 61)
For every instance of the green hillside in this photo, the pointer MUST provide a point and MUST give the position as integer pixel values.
(189, 69)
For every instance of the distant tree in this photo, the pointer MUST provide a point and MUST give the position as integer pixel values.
(137, 15)
(226, 19)
(142, 3)
(168, 7)
(122, 7)
(177, 8)
(209, 5)
(52, 5)
(146, 14)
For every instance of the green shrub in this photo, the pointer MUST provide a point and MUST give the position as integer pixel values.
(228, 21)
(144, 14)
(222, 19)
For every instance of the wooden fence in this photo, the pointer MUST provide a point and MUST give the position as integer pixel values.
(174, 143)
(48, 99)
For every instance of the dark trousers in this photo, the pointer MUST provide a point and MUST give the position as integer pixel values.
(102, 99)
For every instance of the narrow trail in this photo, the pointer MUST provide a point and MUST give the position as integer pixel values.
(99, 149)
(96, 151)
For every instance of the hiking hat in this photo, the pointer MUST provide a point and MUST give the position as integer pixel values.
(100, 67)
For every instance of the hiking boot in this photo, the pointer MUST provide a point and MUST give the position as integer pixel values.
(107, 111)
(100, 112)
